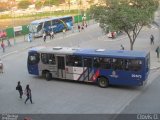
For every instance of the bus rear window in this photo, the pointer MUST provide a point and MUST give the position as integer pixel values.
(33, 58)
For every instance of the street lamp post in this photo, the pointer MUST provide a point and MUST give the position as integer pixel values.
(13, 15)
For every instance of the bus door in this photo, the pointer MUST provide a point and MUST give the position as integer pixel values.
(61, 67)
(88, 72)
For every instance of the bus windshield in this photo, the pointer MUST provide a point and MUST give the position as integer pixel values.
(33, 58)
(35, 27)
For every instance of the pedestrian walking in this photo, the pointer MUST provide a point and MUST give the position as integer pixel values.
(28, 94)
(30, 37)
(86, 25)
(79, 28)
(8, 42)
(44, 37)
(64, 32)
(3, 46)
(158, 51)
(152, 39)
(72, 29)
(20, 90)
(122, 47)
(51, 35)
(1, 66)
(82, 27)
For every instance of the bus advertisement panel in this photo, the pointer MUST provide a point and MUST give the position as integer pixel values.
(104, 67)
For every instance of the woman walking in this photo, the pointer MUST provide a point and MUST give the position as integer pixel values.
(28, 93)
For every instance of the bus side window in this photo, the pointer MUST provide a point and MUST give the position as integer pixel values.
(136, 65)
(39, 27)
(87, 62)
(72, 60)
(51, 59)
(105, 63)
(126, 65)
(119, 64)
(69, 60)
(96, 62)
(113, 64)
(77, 61)
(44, 58)
(47, 24)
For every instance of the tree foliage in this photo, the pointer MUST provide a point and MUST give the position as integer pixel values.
(125, 15)
(52, 2)
(24, 4)
(38, 5)
(3, 6)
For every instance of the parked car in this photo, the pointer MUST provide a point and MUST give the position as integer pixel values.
(3, 34)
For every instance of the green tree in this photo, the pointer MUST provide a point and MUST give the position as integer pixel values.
(53, 2)
(38, 5)
(69, 3)
(90, 1)
(129, 16)
(24, 4)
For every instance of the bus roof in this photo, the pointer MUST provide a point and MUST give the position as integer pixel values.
(91, 52)
(48, 19)
(55, 50)
(112, 53)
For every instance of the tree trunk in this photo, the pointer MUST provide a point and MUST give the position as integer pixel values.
(131, 46)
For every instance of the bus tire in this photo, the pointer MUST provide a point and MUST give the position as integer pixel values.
(48, 76)
(103, 82)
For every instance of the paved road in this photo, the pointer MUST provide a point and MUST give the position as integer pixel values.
(148, 101)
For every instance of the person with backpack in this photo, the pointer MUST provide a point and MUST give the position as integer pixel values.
(28, 94)
(19, 88)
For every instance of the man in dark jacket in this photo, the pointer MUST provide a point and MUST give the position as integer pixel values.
(19, 88)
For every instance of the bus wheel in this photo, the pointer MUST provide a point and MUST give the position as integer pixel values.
(103, 82)
(48, 76)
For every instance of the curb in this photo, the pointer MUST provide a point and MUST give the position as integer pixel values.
(154, 68)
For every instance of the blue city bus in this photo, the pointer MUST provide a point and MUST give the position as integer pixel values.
(101, 66)
(55, 24)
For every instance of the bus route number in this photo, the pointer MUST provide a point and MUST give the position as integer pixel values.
(136, 76)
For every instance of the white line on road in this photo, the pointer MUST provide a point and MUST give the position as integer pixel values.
(9, 53)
